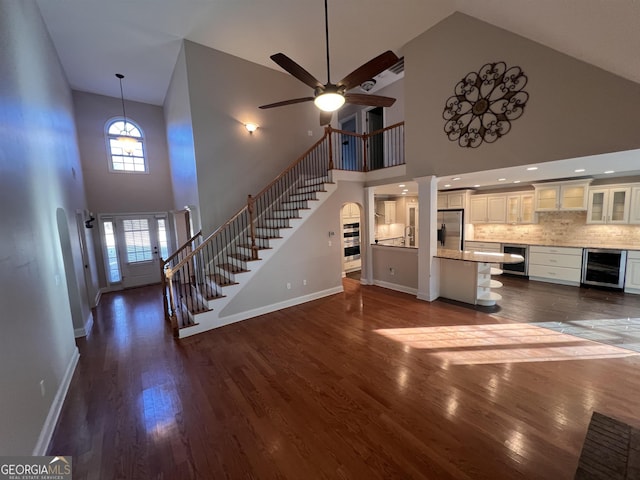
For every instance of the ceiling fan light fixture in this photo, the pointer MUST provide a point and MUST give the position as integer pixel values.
(329, 101)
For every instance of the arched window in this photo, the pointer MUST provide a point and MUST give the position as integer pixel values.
(126, 147)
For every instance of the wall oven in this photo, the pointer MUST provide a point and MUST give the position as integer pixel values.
(351, 241)
(604, 267)
(521, 268)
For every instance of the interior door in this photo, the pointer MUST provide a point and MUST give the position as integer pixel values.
(375, 145)
(349, 145)
(138, 249)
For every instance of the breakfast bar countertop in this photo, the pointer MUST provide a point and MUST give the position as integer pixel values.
(481, 257)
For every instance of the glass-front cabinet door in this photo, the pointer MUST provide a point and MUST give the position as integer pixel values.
(609, 205)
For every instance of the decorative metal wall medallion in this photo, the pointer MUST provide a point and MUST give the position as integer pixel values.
(484, 105)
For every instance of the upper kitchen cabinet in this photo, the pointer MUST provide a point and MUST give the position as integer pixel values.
(351, 211)
(634, 210)
(488, 209)
(453, 200)
(389, 212)
(569, 195)
(520, 209)
(609, 204)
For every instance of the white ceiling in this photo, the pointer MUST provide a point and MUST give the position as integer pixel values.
(141, 38)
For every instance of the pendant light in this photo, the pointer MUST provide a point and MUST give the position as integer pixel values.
(127, 142)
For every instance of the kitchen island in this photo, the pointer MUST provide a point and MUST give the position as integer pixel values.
(465, 276)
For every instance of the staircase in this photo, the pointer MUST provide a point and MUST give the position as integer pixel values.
(204, 275)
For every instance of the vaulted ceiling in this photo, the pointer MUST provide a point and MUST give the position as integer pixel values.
(141, 38)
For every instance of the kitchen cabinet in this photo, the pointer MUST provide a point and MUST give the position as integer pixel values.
(555, 264)
(351, 211)
(450, 200)
(609, 205)
(632, 276)
(389, 212)
(554, 196)
(520, 208)
(488, 209)
(634, 208)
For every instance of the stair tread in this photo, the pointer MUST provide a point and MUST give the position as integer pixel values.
(231, 268)
(243, 258)
(221, 280)
(215, 297)
(248, 245)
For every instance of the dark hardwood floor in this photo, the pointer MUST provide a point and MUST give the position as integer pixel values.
(366, 384)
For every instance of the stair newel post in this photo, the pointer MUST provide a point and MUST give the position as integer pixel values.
(328, 130)
(165, 299)
(172, 307)
(252, 228)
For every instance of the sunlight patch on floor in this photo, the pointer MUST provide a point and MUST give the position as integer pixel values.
(500, 343)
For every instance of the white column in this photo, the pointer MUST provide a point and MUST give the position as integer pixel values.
(428, 265)
(367, 237)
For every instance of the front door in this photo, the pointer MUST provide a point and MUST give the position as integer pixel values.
(140, 240)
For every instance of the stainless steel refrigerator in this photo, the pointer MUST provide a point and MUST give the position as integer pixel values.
(450, 228)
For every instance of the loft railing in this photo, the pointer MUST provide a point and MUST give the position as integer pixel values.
(198, 270)
(369, 151)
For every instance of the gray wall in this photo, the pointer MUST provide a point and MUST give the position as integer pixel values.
(177, 114)
(574, 109)
(306, 256)
(225, 92)
(119, 192)
(40, 173)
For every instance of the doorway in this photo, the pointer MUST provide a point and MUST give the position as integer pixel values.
(350, 219)
(375, 144)
(133, 246)
(411, 228)
(350, 143)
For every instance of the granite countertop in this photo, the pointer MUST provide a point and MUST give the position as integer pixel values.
(480, 257)
(562, 244)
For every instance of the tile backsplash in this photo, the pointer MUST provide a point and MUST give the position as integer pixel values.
(561, 228)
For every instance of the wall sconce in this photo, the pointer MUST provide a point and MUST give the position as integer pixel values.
(251, 127)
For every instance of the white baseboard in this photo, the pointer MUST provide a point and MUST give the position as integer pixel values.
(56, 407)
(96, 300)
(222, 321)
(84, 331)
(396, 287)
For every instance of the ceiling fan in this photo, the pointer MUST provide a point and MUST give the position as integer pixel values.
(331, 96)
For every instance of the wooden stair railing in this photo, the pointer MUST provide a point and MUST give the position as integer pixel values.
(198, 271)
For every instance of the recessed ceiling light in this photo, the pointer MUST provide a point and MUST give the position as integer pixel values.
(501, 179)
(455, 178)
(404, 193)
(405, 190)
(402, 185)
(610, 171)
(532, 168)
(476, 186)
(448, 185)
(516, 181)
(579, 170)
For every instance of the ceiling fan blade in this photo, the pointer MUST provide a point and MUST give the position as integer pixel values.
(325, 118)
(372, 100)
(287, 102)
(296, 70)
(369, 70)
